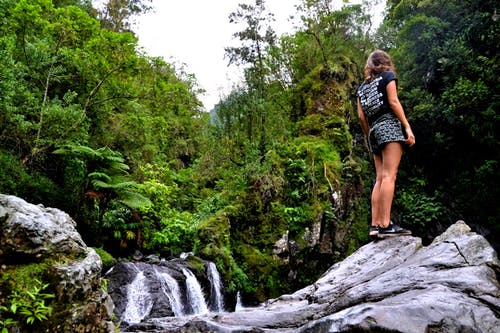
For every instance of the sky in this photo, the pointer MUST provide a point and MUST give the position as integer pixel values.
(194, 33)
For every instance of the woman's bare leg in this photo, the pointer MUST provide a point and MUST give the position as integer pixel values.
(386, 167)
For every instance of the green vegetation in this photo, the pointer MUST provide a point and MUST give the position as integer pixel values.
(23, 301)
(119, 140)
(107, 259)
(447, 57)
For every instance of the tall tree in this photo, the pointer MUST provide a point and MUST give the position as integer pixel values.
(117, 15)
(256, 38)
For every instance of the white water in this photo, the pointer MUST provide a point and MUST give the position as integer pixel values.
(216, 283)
(171, 289)
(139, 302)
(239, 304)
(194, 293)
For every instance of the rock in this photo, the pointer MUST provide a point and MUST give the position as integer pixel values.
(32, 232)
(30, 235)
(392, 285)
(123, 274)
(78, 279)
(280, 248)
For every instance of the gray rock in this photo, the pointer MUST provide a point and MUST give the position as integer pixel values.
(393, 285)
(280, 248)
(156, 286)
(78, 278)
(34, 234)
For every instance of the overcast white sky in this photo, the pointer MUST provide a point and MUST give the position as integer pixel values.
(195, 33)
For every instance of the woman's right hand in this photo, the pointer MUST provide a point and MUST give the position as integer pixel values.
(410, 138)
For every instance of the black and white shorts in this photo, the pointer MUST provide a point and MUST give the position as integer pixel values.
(385, 129)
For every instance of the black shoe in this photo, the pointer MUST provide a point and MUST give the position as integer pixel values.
(374, 229)
(392, 230)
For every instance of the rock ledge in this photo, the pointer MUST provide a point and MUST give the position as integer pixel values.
(394, 285)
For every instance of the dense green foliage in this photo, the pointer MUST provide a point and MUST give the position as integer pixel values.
(447, 55)
(120, 141)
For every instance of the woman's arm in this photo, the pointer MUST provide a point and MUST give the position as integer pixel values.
(392, 96)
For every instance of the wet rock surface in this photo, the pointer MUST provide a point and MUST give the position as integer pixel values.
(394, 285)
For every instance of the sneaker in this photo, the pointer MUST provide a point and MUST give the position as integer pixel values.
(374, 229)
(392, 230)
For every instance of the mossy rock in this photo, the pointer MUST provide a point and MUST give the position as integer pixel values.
(107, 259)
(214, 231)
(18, 278)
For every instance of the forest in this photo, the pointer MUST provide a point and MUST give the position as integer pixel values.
(118, 139)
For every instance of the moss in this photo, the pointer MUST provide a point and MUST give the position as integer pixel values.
(107, 259)
(22, 277)
(212, 231)
(266, 274)
(25, 287)
(196, 263)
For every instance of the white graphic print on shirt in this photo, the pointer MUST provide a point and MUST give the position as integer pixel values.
(371, 98)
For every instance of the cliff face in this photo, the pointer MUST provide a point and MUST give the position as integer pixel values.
(393, 285)
(40, 247)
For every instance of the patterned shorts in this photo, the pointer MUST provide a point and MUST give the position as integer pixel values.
(385, 129)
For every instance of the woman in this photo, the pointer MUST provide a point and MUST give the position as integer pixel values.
(385, 125)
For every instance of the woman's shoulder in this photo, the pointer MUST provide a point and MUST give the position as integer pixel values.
(388, 76)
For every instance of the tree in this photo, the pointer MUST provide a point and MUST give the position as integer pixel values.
(256, 38)
(116, 15)
(66, 82)
(106, 180)
(334, 32)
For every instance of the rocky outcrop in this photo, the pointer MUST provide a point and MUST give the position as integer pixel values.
(392, 285)
(46, 238)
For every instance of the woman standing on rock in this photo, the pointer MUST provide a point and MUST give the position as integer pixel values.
(386, 128)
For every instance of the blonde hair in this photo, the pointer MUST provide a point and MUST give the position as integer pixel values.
(378, 62)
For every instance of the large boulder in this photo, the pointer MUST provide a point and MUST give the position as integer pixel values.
(392, 285)
(31, 232)
(46, 241)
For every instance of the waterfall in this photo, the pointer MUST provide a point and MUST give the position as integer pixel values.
(239, 304)
(139, 302)
(144, 291)
(216, 286)
(195, 294)
(171, 289)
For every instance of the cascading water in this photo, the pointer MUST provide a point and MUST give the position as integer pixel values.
(139, 302)
(239, 304)
(155, 292)
(216, 287)
(171, 289)
(195, 293)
